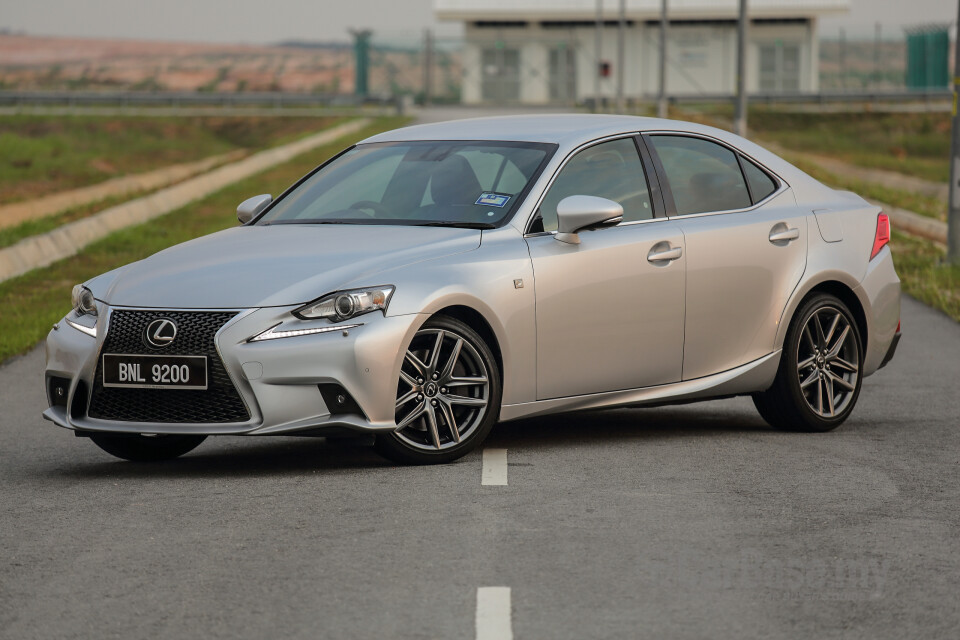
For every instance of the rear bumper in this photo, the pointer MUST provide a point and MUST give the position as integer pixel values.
(879, 293)
(891, 351)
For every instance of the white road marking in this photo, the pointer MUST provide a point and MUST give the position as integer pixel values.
(493, 611)
(494, 467)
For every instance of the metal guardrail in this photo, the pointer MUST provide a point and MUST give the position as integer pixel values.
(190, 99)
(933, 95)
(174, 99)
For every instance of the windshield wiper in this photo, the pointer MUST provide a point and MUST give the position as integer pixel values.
(461, 225)
(314, 221)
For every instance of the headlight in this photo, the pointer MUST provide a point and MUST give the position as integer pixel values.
(347, 304)
(83, 301)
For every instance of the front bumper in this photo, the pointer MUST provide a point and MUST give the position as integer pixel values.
(279, 380)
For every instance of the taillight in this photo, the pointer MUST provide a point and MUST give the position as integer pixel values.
(883, 234)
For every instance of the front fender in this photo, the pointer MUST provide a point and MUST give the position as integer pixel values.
(496, 281)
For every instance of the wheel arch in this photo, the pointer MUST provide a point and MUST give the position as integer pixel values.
(476, 321)
(844, 291)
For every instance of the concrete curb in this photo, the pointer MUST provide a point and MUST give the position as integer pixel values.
(63, 242)
(17, 212)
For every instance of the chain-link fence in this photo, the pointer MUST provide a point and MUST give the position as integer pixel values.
(885, 58)
(424, 67)
(503, 66)
(559, 63)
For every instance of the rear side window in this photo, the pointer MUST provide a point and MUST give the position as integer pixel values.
(761, 184)
(610, 170)
(703, 176)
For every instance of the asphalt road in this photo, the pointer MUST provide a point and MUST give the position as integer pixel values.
(676, 522)
(693, 521)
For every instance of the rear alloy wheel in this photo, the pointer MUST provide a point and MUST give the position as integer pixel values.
(448, 395)
(140, 448)
(819, 378)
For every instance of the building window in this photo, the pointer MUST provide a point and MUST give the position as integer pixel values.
(501, 75)
(563, 74)
(779, 67)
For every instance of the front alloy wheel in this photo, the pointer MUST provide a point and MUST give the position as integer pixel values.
(819, 379)
(448, 395)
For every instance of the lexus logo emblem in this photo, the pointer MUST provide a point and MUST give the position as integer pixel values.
(160, 333)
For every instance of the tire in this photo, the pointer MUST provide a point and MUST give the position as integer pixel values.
(138, 448)
(448, 395)
(818, 381)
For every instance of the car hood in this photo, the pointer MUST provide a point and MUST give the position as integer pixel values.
(274, 265)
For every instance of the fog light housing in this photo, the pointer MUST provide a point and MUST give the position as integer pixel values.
(58, 390)
(339, 401)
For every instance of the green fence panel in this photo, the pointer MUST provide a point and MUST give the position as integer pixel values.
(928, 55)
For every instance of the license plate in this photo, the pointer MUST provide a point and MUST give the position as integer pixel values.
(154, 372)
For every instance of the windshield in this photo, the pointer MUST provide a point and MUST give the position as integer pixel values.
(471, 184)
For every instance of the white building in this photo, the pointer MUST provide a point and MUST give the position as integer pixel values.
(543, 51)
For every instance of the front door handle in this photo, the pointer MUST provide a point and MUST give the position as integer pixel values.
(663, 252)
(780, 233)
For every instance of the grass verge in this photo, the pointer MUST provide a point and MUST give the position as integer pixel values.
(45, 154)
(923, 274)
(912, 201)
(776, 126)
(31, 303)
(914, 144)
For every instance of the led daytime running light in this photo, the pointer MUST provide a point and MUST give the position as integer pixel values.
(271, 334)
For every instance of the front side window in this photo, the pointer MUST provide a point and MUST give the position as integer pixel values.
(610, 170)
(703, 176)
(445, 182)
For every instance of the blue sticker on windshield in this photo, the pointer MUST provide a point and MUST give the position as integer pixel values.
(492, 199)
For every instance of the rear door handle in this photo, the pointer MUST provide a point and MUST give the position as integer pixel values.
(781, 234)
(661, 254)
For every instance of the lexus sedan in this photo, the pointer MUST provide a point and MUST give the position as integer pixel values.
(430, 281)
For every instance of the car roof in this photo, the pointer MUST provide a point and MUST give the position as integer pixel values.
(563, 129)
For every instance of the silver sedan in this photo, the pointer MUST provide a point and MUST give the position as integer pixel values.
(433, 280)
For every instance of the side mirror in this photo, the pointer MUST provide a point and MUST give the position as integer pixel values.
(577, 213)
(250, 207)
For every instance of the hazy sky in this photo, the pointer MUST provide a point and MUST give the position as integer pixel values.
(892, 15)
(265, 21)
